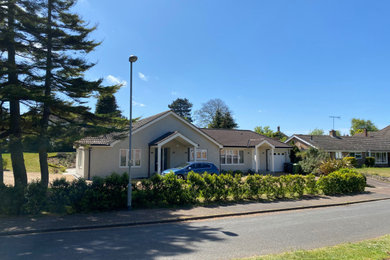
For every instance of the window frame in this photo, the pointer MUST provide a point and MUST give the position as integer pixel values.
(230, 153)
(202, 152)
(133, 153)
(384, 156)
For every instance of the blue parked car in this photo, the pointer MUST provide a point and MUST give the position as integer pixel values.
(198, 167)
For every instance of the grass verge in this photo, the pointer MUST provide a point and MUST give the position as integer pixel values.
(31, 161)
(383, 172)
(378, 248)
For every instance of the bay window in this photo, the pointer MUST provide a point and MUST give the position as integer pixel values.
(380, 158)
(201, 154)
(232, 157)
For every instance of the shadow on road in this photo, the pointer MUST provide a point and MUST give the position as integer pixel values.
(140, 242)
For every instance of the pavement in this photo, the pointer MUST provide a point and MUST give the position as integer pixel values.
(42, 224)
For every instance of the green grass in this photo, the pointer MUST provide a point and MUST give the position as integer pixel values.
(30, 159)
(384, 172)
(378, 248)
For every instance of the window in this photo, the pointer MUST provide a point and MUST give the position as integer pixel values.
(380, 158)
(135, 157)
(339, 155)
(356, 155)
(201, 154)
(233, 157)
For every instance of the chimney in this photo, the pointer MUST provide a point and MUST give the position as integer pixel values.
(332, 133)
(365, 132)
(278, 128)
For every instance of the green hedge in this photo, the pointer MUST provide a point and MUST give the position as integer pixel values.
(110, 193)
(370, 161)
(342, 181)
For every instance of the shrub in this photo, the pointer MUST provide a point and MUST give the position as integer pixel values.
(36, 199)
(351, 160)
(370, 161)
(332, 165)
(5, 163)
(342, 181)
(312, 159)
(311, 184)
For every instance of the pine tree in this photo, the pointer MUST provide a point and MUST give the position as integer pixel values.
(182, 107)
(107, 105)
(15, 42)
(63, 41)
(228, 121)
(217, 120)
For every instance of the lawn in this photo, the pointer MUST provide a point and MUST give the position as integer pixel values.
(384, 172)
(30, 159)
(378, 248)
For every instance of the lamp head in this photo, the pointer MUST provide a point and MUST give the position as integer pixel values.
(133, 58)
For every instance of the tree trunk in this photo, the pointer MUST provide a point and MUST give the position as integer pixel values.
(1, 169)
(44, 140)
(15, 140)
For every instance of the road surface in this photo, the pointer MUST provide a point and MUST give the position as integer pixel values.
(222, 238)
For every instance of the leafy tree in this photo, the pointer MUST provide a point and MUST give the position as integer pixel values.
(205, 115)
(182, 107)
(106, 104)
(358, 126)
(317, 131)
(266, 130)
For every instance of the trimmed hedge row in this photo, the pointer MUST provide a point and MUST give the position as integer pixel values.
(110, 193)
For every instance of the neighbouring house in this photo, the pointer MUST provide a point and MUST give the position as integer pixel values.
(166, 140)
(373, 144)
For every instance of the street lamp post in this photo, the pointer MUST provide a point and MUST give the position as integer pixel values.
(132, 59)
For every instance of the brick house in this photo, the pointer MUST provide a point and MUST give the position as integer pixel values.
(360, 146)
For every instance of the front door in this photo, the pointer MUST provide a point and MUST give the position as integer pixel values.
(165, 159)
(268, 159)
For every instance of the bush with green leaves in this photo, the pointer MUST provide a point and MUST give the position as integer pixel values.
(5, 163)
(110, 193)
(312, 159)
(351, 160)
(332, 165)
(343, 181)
(369, 161)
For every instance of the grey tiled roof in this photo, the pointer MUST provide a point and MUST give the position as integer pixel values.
(163, 138)
(108, 139)
(384, 132)
(240, 138)
(348, 143)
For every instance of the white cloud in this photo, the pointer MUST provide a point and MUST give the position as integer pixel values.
(138, 104)
(116, 81)
(259, 110)
(174, 93)
(142, 76)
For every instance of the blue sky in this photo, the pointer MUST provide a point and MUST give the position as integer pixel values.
(287, 63)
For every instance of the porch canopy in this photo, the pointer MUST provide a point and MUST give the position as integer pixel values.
(165, 139)
(270, 155)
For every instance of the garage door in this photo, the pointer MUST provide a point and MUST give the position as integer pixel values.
(280, 159)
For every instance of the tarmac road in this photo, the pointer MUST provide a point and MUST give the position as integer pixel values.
(222, 238)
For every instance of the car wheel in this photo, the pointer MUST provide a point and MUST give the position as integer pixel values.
(180, 176)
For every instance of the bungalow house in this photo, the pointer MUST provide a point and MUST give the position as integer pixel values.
(373, 144)
(166, 140)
